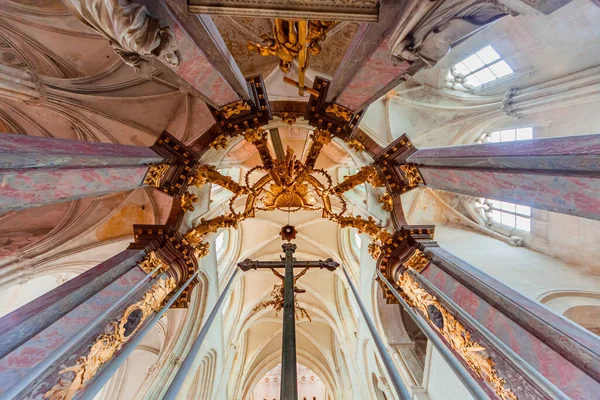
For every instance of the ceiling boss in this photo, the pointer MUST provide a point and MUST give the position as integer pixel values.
(293, 40)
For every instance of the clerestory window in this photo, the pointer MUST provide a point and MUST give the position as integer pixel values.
(483, 67)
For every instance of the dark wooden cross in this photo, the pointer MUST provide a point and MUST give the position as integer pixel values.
(289, 379)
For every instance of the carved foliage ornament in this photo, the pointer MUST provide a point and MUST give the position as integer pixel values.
(412, 174)
(474, 355)
(417, 261)
(234, 109)
(340, 112)
(107, 344)
(155, 175)
(387, 202)
(150, 262)
(187, 201)
(355, 145)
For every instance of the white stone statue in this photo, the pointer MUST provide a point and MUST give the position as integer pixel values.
(432, 36)
(132, 32)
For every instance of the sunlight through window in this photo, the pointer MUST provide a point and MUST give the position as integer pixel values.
(478, 69)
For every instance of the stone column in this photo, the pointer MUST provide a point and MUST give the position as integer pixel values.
(514, 347)
(36, 171)
(556, 174)
(54, 346)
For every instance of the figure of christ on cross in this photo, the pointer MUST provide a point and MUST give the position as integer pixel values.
(289, 379)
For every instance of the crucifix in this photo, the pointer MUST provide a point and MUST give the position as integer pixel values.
(289, 379)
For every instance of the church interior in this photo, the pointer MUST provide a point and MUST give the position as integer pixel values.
(299, 199)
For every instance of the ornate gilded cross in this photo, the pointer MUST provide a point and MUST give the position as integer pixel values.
(291, 40)
(289, 382)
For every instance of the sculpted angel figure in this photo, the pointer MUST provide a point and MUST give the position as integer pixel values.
(284, 43)
(278, 293)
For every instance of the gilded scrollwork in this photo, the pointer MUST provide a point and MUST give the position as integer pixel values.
(368, 226)
(155, 174)
(355, 145)
(234, 109)
(208, 173)
(387, 202)
(339, 111)
(374, 250)
(412, 174)
(194, 236)
(459, 338)
(151, 261)
(220, 142)
(367, 173)
(107, 344)
(187, 201)
(288, 118)
(417, 261)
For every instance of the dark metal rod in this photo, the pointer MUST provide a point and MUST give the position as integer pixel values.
(531, 372)
(98, 383)
(392, 371)
(289, 378)
(28, 381)
(191, 356)
(465, 377)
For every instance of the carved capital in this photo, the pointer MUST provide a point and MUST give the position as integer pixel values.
(417, 261)
(150, 262)
(155, 175)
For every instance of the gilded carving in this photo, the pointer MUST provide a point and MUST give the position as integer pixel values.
(355, 145)
(340, 112)
(208, 173)
(150, 262)
(374, 250)
(288, 118)
(187, 201)
(234, 109)
(201, 249)
(459, 338)
(219, 143)
(108, 343)
(278, 294)
(293, 40)
(206, 226)
(368, 226)
(417, 261)
(413, 176)
(387, 202)
(155, 174)
(365, 174)
(255, 135)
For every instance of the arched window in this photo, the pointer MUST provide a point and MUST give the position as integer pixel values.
(483, 67)
(356, 242)
(220, 243)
